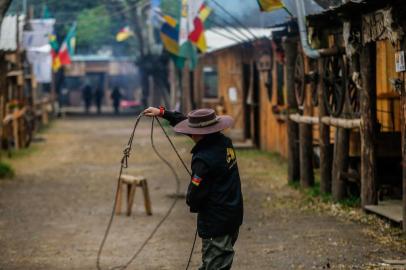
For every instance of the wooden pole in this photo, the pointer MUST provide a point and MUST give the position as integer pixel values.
(403, 124)
(368, 125)
(326, 155)
(340, 163)
(290, 46)
(304, 119)
(306, 155)
(403, 127)
(192, 89)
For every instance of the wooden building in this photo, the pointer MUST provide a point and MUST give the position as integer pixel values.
(237, 78)
(333, 98)
(357, 122)
(103, 71)
(17, 86)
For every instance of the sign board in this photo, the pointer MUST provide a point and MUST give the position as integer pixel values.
(232, 94)
(400, 61)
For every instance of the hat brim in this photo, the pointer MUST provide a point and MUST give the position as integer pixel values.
(223, 122)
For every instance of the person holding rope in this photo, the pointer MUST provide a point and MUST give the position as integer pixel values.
(214, 192)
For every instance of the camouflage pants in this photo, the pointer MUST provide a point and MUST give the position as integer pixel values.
(218, 252)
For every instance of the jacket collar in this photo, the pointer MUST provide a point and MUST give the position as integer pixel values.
(206, 141)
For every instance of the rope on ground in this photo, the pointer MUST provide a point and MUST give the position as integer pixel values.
(124, 164)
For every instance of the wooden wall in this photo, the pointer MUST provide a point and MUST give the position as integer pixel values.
(273, 135)
(387, 100)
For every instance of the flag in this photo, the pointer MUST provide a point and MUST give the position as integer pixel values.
(190, 10)
(53, 42)
(46, 14)
(124, 34)
(68, 47)
(169, 37)
(204, 12)
(270, 5)
(197, 36)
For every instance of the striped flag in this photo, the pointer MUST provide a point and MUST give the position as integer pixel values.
(68, 47)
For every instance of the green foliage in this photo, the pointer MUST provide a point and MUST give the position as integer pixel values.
(94, 28)
(171, 7)
(6, 171)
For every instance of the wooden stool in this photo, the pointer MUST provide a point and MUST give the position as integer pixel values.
(132, 183)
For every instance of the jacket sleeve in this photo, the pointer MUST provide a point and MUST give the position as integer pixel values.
(173, 117)
(199, 186)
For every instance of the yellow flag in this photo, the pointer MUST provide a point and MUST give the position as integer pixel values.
(270, 5)
(124, 34)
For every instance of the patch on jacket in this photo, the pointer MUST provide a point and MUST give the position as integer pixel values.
(231, 160)
(196, 180)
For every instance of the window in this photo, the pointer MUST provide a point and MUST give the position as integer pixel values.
(210, 82)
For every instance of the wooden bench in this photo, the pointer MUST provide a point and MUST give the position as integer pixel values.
(132, 182)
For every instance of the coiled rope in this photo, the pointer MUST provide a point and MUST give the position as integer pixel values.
(124, 165)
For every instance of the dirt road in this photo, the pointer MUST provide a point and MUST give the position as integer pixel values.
(53, 214)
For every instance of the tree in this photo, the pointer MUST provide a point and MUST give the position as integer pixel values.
(94, 29)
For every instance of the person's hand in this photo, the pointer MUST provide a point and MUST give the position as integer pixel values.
(152, 111)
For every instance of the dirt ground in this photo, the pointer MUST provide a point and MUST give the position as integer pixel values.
(54, 212)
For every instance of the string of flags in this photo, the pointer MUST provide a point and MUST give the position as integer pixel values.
(183, 37)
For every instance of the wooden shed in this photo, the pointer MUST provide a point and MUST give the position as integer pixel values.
(17, 84)
(357, 122)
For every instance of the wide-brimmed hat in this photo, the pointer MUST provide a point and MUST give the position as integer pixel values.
(203, 121)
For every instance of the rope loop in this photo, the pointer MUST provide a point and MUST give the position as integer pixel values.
(126, 156)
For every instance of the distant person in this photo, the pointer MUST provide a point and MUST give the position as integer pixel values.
(98, 97)
(87, 97)
(116, 97)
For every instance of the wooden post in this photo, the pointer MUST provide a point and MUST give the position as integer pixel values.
(147, 199)
(290, 46)
(306, 155)
(403, 127)
(192, 89)
(326, 156)
(16, 132)
(368, 125)
(340, 163)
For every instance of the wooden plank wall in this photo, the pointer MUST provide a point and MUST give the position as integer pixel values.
(386, 70)
(273, 136)
(229, 64)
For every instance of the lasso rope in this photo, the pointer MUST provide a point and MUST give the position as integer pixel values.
(124, 164)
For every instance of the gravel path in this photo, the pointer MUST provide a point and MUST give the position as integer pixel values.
(53, 214)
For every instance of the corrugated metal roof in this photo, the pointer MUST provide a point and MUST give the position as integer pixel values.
(221, 38)
(281, 16)
(8, 32)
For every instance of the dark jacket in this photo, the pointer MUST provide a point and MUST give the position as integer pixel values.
(215, 188)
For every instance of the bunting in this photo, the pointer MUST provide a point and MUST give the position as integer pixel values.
(270, 5)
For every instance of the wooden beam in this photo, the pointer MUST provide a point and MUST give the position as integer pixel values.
(290, 46)
(341, 122)
(368, 125)
(304, 119)
(326, 155)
